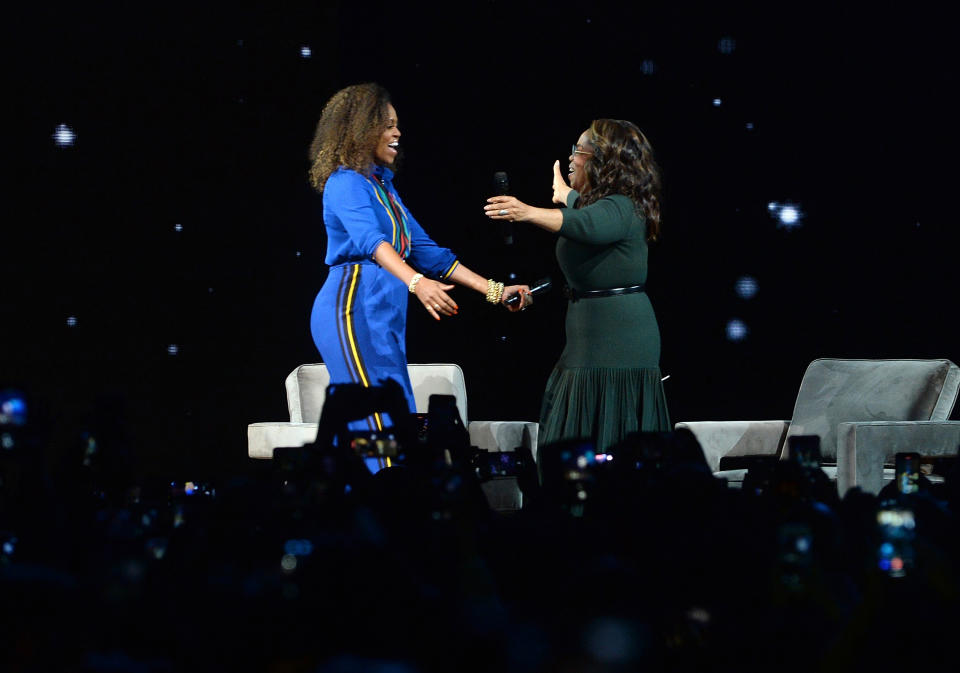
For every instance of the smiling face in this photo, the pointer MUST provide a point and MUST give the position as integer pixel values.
(583, 153)
(389, 142)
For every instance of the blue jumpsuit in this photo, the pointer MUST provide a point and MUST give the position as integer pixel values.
(359, 317)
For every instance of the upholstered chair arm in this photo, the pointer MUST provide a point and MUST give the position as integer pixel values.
(863, 449)
(263, 438)
(720, 439)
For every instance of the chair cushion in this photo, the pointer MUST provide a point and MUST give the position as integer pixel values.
(306, 390)
(837, 391)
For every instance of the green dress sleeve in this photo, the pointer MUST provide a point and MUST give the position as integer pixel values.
(606, 221)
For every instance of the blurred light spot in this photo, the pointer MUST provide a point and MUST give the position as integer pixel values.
(700, 615)
(189, 488)
(648, 67)
(611, 641)
(288, 563)
(173, 349)
(717, 102)
(298, 253)
(746, 287)
(788, 215)
(6, 441)
(64, 136)
(239, 43)
(512, 276)
(72, 321)
(503, 338)
(178, 227)
(736, 330)
(749, 126)
(298, 547)
(8, 547)
(305, 51)
(886, 549)
(726, 45)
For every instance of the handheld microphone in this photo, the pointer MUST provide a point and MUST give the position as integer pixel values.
(543, 285)
(501, 187)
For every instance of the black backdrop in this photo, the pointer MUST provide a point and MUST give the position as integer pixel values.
(201, 116)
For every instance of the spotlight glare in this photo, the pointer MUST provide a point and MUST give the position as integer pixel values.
(789, 215)
(64, 136)
(717, 102)
(72, 321)
(173, 349)
(305, 51)
(178, 227)
(736, 330)
(746, 287)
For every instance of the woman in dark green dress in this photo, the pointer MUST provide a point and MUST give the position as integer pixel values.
(607, 381)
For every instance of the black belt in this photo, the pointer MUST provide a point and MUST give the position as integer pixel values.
(574, 295)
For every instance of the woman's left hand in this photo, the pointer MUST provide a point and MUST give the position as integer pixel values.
(507, 208)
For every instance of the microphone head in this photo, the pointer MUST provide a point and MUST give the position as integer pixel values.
(500, 183)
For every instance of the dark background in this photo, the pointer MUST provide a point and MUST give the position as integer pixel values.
(200, 115)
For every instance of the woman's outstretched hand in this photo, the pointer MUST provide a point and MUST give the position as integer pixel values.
(560, 187)
(433, 295)
(507, 208)
(526, 299)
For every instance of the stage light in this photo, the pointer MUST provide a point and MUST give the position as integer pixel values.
(746, 287)
(749, 126)
(647, 67)
(726, 45)
(178, 227)
(298, 253)
(64, 136)
(6, 441)
(288, 563)
(173, 349)
(788, 215)
(717, 102)
(305, 51)
(736, 330)
(72, 321)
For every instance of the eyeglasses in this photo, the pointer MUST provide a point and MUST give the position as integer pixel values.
(574, 151)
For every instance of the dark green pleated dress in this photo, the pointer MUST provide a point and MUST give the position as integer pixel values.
(607, 381)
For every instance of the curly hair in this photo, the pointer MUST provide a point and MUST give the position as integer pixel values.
(623, 163)
(348, 130)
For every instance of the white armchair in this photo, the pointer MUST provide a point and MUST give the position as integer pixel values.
(864, 411)
(306, 388)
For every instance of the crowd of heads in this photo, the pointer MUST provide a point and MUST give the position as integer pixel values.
(634, 558)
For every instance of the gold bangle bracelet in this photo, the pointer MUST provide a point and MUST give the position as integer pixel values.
(413, 283)
(494, 291)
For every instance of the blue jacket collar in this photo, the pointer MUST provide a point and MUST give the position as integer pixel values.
(383, 172)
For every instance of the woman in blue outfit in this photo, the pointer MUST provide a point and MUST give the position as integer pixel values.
(606, 383)
(377, 252)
